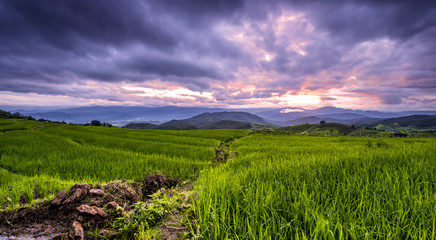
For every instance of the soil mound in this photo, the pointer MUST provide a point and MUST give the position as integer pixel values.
(84, 208)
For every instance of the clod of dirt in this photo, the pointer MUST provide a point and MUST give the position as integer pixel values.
(93, 211)
(122, 191)
(96, 192)
(77, 193)
(75, 197)
(57, 201)
(98, 203)
(77, 231)
(152, 183)
(76, 186)
(112, 205)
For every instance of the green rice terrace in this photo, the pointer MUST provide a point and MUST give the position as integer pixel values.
(213, 184)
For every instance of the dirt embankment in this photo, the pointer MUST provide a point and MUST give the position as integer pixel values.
(84, 208)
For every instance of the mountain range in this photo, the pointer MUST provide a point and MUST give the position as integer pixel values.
(122, 115)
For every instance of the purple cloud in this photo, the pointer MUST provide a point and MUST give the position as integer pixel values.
(238, 52)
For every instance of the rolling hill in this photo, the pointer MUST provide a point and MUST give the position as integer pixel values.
(328, 118)
(326, 129)
(408, 123)
(216, 120)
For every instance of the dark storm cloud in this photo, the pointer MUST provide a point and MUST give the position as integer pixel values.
(168, 67)
(64, 41)
(199, 13)
(62, 23)
(365, 20)
(47, 45)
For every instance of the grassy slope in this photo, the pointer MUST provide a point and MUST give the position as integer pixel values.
(38, 152)
(413, 122)
(326, 129)
(338, 129)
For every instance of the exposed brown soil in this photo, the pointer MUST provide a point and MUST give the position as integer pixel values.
(51, 221)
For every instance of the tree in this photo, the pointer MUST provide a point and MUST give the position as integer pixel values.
(95, 123)
(16, 115)
(4, 114)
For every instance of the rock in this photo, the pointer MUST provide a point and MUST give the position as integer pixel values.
(93, 211)
(100, 212)
(78, 232)
(75, 197)
(96, 192)
(77, 193)
(99, 203)
(112, 205)
(57, 201)
(76, 186)
(86, 209)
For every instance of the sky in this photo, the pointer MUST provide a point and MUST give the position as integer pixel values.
(378, 55)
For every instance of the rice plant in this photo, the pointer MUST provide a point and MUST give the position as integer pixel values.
(296, 187)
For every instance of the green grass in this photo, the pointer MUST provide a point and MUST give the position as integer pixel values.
(18, 124)
(293, 187)
(31, 151)
(14, 186)
(279, 186)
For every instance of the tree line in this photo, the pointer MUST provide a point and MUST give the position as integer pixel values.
(17, 115)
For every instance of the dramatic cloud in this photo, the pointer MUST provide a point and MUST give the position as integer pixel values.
(357, 54)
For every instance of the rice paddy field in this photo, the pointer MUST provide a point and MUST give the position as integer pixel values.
(273, 187)
(39, 158)
(294, 187)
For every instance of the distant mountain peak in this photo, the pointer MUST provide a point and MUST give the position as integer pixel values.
(207, 120)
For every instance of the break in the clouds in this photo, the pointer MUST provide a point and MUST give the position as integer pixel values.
(353, 54)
